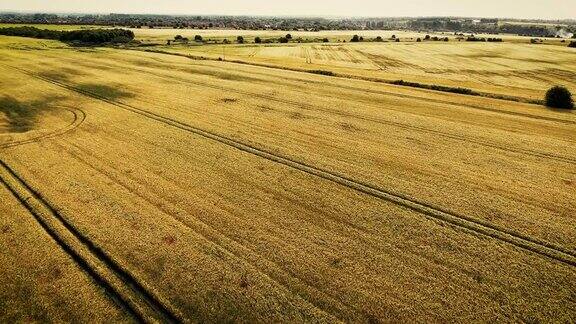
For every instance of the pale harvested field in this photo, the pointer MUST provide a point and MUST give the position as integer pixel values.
(517, 69)
(213, 191)
(162, 34)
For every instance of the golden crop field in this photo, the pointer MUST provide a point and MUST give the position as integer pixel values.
(141, 186)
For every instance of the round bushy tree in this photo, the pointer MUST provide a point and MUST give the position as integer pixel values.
(559, 97)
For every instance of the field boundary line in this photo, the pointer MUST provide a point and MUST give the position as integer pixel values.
(79, 117)
(119, 283)
(485, 228)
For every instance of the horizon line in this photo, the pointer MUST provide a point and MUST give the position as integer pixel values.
(9, 11)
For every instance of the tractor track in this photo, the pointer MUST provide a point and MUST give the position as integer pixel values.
(461, 221)
(283, 277)
(118, 283)
(79, 117)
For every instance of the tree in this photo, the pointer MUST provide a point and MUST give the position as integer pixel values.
(240, 40)
(427, 37)
(92, 36)
(288, 36)
(418, 40)
(257, 40)
(198, 38)
(559, 97)
(397, 40)
(283, 40)
(355, 39)
(572, 44)
(378, 39)
(393, 37)
(325, 40)
(178, 37)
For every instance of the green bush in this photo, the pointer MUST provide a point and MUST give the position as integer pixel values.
(322, 72)
(559, 97)
(434, 87)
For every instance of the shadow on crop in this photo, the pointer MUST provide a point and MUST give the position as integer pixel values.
(222, 75)
(62, 74)
(23, 116)
(105, 91)
(55, 75)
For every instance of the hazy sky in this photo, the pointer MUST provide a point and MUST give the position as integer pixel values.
(549, 9)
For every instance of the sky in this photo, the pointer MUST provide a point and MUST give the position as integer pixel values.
(543, 9)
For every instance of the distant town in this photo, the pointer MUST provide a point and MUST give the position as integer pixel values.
(534, 28)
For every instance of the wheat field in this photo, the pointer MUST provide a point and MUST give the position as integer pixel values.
(140, 186)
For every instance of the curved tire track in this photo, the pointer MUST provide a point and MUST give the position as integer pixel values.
(79, 117)
(117, 282)
(465, 222)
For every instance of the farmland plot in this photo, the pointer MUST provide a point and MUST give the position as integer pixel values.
(212, 191)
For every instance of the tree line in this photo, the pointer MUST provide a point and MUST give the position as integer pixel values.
(88, 36)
